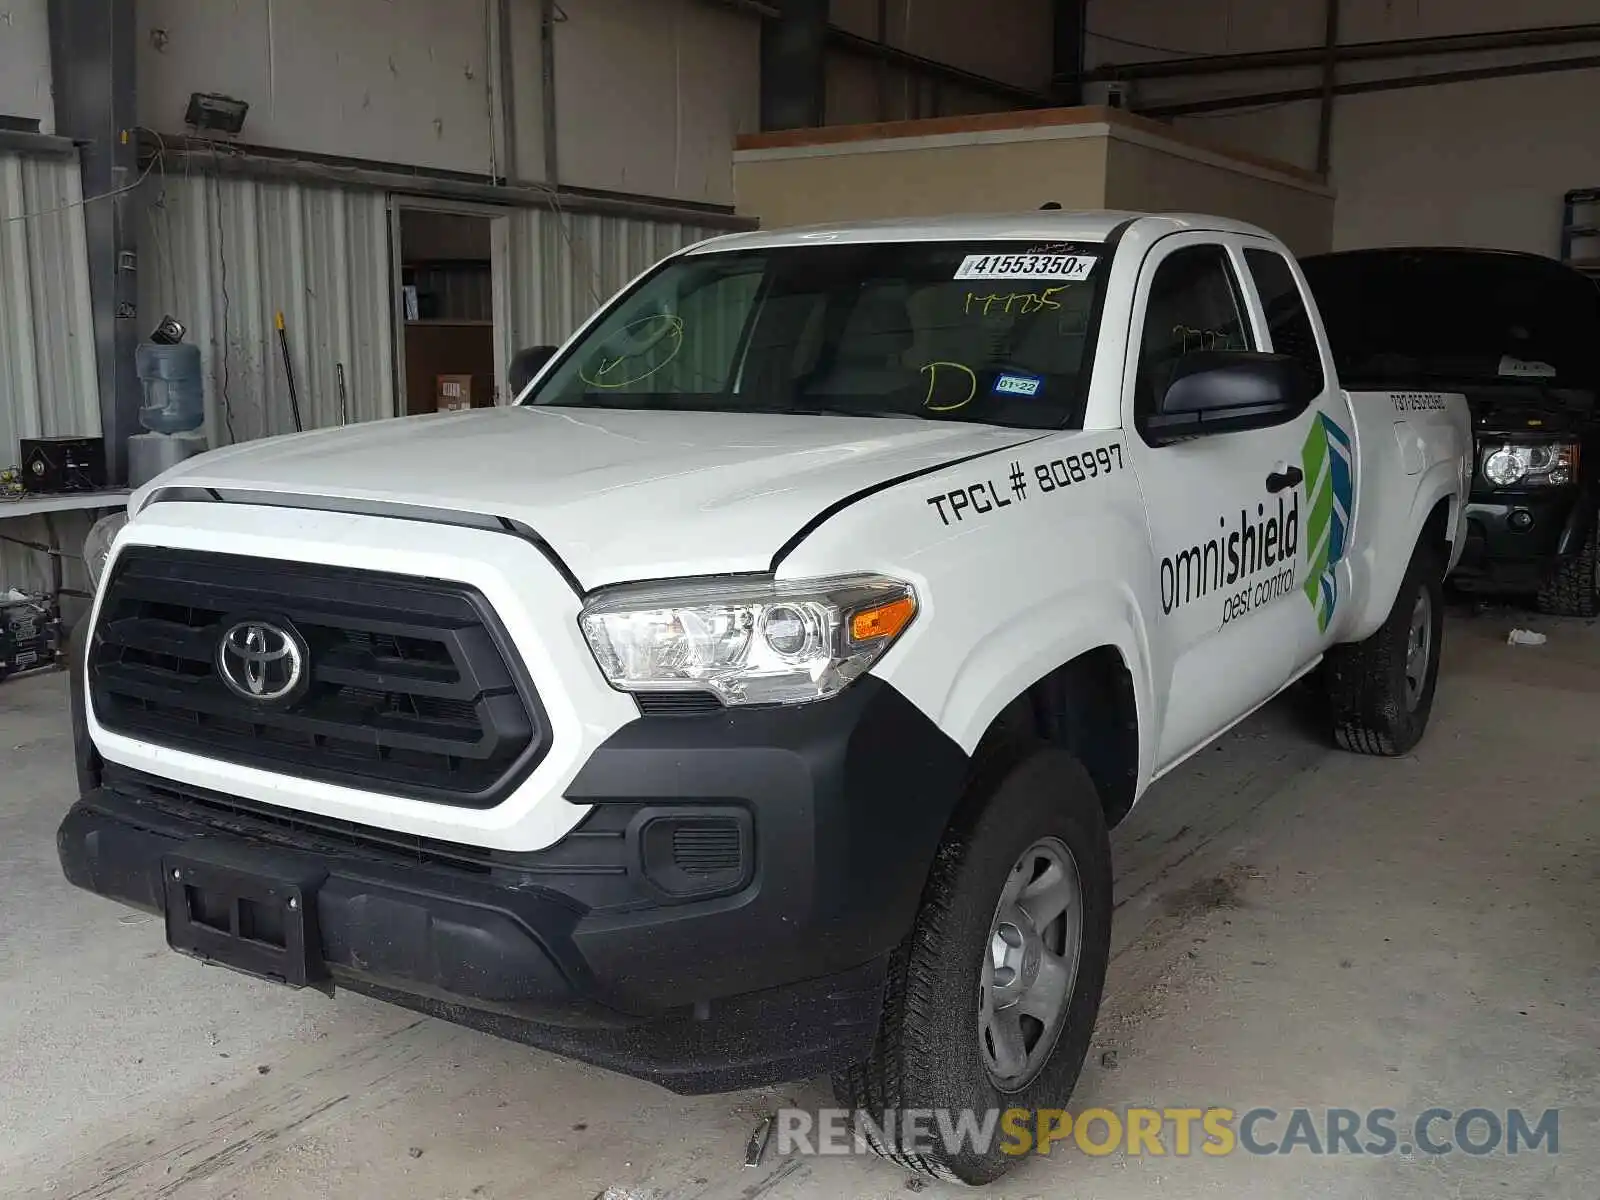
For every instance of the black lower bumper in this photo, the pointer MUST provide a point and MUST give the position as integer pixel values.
(1515, 541)
(604, 947)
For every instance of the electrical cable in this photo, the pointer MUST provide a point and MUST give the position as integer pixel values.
(562, 221)
(1243, 110)
(1122, 41)
(87, 200)
(227, 304)
(160, 230)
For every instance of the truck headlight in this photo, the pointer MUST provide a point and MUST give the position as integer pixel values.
(97, 544)
(1520, 464)
(753, 641)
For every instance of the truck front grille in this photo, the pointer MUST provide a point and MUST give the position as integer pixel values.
(410, 686)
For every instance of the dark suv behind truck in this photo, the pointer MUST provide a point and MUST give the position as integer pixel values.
(1520, 336)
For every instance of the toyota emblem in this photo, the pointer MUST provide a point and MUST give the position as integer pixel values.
(261, 662)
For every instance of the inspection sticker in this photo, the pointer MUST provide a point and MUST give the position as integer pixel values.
(1017, 385)
(1072, 267)
(1525, 368)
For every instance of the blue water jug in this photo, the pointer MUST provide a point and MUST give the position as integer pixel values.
(174, 393)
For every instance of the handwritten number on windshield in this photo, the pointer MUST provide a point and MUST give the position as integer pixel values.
(1027, 302)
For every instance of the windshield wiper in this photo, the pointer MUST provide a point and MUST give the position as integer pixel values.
(841, 410)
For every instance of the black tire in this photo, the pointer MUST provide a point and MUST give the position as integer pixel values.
(926, 1054)
(1372, 708)
(1574, 589)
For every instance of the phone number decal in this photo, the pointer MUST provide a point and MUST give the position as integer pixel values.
(982, 497)
(1419, 402)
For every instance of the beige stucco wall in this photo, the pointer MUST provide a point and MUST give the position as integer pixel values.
(853, 184)
(1150, 178)
(1080, 158)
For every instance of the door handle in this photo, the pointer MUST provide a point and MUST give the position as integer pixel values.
(1279, 480)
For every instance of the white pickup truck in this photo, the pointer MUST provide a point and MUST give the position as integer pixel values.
(751, 699)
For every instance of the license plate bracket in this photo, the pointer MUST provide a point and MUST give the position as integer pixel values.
(248, 908)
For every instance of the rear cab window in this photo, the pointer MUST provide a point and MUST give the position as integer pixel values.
(995, 332)
(1288, 319)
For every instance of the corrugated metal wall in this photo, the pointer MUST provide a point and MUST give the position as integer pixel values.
(48, 384)
(223, 255)
(565, 264)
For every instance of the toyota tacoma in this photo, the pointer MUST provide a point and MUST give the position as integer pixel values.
(750, 700)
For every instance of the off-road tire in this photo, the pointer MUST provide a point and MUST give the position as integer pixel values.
(1573, 590)
(1365, 683)
(926, 1052)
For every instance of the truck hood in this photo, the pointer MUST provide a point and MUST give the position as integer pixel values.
(618, 495)
(1513, 409)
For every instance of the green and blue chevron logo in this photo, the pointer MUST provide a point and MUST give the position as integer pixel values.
(1330, 491)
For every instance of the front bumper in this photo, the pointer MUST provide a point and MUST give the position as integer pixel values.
(606, 947)
(1515, 540)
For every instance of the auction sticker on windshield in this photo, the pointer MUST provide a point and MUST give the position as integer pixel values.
(1072, 267)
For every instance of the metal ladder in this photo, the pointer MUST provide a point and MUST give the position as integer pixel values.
(1580, 223)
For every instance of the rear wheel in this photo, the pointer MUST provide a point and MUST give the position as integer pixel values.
(1380, 691)
(993, 997)
(1574, 589)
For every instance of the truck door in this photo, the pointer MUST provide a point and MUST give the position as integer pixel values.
(1326, 449)
(1235, 536)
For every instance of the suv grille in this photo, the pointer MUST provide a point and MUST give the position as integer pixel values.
(413, 688)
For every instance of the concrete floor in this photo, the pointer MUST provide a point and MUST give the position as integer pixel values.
(1296, 927)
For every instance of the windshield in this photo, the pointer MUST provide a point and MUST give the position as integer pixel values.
(1397, 316)
(992, 332)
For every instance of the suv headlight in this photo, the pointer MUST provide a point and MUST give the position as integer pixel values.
(753, 641)
(1521, 464)
(97, 544)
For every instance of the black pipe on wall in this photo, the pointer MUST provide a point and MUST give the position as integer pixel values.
(792, 65)
(1310, 56)
(1588, 62)
(92, 66)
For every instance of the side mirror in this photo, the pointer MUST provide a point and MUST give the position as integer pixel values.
(525, 364)
(1226, 391)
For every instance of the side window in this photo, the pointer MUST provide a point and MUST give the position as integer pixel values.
(1287, 319)
(1194, 305)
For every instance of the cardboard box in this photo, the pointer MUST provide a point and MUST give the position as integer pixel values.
(453, 393)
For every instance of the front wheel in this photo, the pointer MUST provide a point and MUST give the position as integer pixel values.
(992, 998)
(1573, 590)
(1380, 691)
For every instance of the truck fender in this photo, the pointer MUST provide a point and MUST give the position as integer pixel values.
(1380, 567)
(1014, 654)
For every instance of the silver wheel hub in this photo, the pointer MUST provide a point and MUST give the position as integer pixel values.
(1030, 965)
(1419, 649)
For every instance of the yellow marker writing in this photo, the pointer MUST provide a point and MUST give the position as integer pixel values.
(672, 328)
(931, 370)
